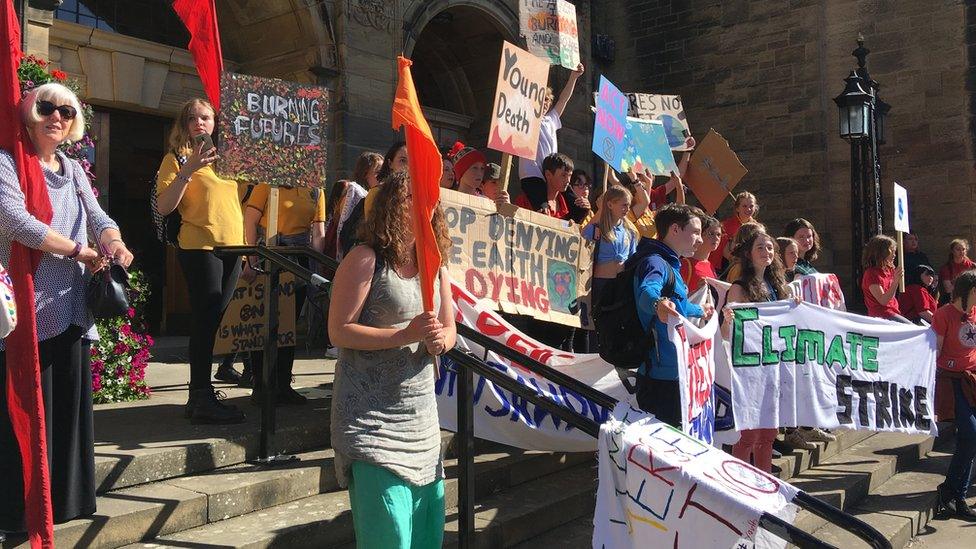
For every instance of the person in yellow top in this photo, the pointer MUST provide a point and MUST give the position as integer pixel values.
(212, 216)
(301, 222)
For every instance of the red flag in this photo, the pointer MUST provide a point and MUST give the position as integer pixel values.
(25, 404)
(425, 174)
(200, 19)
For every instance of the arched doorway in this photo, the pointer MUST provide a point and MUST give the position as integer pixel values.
(456, 56)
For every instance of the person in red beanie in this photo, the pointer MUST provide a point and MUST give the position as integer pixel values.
(469, 168)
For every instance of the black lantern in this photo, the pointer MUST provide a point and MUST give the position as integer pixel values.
(854, 106)
(880, 115)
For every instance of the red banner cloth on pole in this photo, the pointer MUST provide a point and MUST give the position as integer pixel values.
(200, 19)
(425, 174)
(25, 403)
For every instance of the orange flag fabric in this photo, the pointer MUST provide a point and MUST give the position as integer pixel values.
(200, 19)
(25, 402)
(425, 174)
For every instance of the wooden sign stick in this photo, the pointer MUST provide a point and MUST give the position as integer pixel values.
(272, 231)
(506, 170)
(606, 177)
(901, 261)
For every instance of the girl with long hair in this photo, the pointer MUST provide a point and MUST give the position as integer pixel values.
(384, 424)
(212, 217)
(808, 244)
(789, 255)
(957, 263)
(745, 209)
(879, 283)
(761, 280)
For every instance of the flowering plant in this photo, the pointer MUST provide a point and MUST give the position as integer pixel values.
(121, 354)
(119, 358)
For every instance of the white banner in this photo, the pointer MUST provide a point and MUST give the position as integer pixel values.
(806, 365)
(503, 417)
(696, 374)
(661, 488)
(820, 289)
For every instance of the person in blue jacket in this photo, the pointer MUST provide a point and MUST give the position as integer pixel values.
(679, 235)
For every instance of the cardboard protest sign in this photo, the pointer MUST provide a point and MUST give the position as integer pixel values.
(611, 123)
(519, 101)
(647, 147)
(550, 31)
(659, 487)
(504, 417)
(901, 209)
(714, 170)
(244, 326)
(516, 260)
(272, 131)
(806, 365)
(696, 374)
(666, 109)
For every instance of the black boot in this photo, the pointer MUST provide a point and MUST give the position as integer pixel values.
(946, 506)
(226, 372)
(247, 374)
(205, 408)
(964, 511)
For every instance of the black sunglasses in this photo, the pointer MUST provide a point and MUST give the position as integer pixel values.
(46, 108)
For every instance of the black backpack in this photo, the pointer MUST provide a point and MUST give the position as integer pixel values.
(167, 226)
(622, 338)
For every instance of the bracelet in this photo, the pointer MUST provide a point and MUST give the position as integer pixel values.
(76, 251)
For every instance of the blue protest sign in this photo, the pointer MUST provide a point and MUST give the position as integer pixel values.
(646, 146)
(611, 119)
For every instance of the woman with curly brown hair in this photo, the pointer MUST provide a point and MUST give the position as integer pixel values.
(808, 244)
(385, 429)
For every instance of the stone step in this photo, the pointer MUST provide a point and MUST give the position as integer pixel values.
(799, 460)
(324, 520)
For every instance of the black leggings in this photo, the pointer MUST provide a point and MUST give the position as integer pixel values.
(210, 281)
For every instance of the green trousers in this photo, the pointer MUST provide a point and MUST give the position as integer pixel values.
(390, 513)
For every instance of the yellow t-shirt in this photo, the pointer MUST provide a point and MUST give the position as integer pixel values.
(645, 224)
(297, 207)
(210, 207)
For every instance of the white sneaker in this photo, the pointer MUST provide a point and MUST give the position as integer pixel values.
(332, 353)
(796, 440)
(817, 435)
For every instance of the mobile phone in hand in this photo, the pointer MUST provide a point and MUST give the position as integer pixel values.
(205, 139)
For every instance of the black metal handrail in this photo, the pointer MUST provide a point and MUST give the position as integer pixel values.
(277, 257)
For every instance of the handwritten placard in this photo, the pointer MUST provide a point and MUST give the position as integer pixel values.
(244, 326)
(516, 260)
(272, 131)
(714, 170)
(667, 109)
(610, 127)
(550, 31)
(519, 101)
(647, 147)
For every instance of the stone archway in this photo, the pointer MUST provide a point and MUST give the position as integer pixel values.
(454, 46)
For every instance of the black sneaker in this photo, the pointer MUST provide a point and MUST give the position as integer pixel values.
(964, 511)
(247, 379)
(227, 374)
(206, 408)
(290, 397)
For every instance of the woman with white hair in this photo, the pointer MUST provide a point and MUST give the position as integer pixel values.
(52, 115)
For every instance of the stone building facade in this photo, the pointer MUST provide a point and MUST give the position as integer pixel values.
(761, 72)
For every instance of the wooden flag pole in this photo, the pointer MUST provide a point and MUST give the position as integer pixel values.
(506, 170)
(606, 177)
(901, 261)
(272, 230)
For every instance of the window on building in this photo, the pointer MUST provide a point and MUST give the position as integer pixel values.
(152, 20)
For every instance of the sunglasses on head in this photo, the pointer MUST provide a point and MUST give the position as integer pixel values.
(46, 108)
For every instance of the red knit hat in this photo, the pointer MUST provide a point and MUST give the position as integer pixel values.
(464, 157)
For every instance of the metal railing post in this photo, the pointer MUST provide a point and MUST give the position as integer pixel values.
(465, 433)
(270, 367)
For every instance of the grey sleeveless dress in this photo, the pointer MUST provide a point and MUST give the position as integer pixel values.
(384, 411)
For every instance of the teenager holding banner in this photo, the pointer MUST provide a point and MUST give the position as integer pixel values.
(658, 261)
(955, 389)
(761, 281)
(212, 217)
(879, 283)
(957, 263)
(385, 428)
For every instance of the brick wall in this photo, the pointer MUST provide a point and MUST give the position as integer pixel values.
(764, 72)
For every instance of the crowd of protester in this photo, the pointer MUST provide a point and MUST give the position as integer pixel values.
(384, 421)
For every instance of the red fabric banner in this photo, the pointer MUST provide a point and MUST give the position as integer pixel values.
(425, 174)
(200, 19)
(25, 403)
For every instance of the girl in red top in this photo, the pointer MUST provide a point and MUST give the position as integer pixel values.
(695, 269)
(958, 262)
(880, 279)
(918, 300)
(745, 209)
(955, 389)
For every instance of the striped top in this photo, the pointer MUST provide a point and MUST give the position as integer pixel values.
(59, 283)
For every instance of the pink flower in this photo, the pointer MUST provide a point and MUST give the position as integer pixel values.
(126, 330)
(59, 76)
(120, 348)
(96, 382)
(131, 312)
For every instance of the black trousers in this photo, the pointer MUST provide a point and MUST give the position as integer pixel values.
(661, 398)
(210, 281)
(66, 388)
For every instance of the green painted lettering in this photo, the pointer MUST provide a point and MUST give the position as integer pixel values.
(809, 346)
(739, 356)
(835, 353)
(788, 333)
(853, 341)
(769, 355)
(869, 353)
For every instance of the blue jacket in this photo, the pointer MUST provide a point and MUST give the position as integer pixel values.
(653, 257)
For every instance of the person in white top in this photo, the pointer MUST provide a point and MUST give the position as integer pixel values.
(530, 171)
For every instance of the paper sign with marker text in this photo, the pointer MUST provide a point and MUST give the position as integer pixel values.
(519, 101)
(609, 131)
(901, 209)
(550, 31)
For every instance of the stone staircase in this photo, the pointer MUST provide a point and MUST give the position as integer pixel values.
(164, 483)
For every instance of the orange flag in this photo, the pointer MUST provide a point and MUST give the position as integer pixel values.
(425, 174)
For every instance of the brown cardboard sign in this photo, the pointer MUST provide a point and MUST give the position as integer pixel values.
(714, 170)
(244, 326)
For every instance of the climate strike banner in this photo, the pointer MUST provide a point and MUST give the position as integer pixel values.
(806, 365)
(272, 131)
(661, 488)
(504, 417)
(519, 99)
(516, 260)
(696, 374)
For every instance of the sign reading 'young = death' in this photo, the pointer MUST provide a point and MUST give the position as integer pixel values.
(272, 131)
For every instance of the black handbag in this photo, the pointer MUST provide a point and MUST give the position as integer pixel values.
(107, 293)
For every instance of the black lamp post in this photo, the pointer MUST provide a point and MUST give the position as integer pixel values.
(862, 123)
